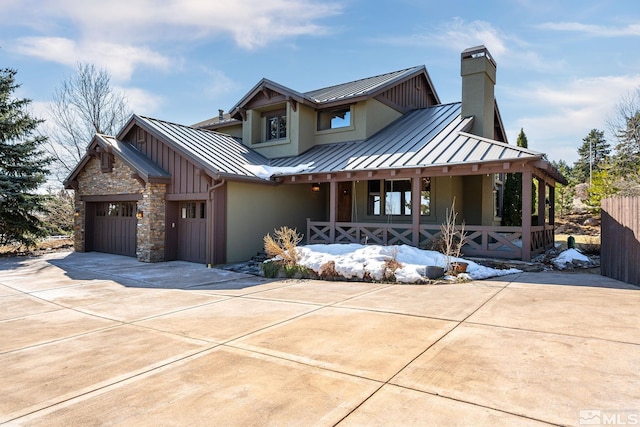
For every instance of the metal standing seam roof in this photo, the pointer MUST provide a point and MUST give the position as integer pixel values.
(223, 154)
(136, 160)
(432, 136)
(359, 87)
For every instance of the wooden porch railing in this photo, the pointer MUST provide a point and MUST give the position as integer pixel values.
(497, 242)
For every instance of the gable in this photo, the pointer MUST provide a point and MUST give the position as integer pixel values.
(186, 175)
(412, 94)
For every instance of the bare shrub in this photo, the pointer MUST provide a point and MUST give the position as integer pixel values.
(391, 264)
(283, 245)
(453, 236)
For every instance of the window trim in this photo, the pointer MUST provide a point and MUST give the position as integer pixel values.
(275, 114)
(348, 127)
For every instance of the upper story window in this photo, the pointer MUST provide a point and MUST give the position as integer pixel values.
(334, 119)
(276, 125)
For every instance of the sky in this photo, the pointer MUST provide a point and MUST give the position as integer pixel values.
(563, 66)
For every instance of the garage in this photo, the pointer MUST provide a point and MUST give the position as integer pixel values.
(192, 231)
(113, 227)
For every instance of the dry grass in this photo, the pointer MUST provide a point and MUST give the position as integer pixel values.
(47, 245)
(283, 245)
(328, 271)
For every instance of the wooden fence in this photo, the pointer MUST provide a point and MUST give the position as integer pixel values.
(620, 249)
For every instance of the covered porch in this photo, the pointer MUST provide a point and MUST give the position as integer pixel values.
(418, 207)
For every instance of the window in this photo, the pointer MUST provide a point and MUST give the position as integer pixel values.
(396, 199)
(114, 209)
(106, 161)
(276, 125)
(334, 119)
(397, 195)
(193, 210)
(425, 197)
(498, 194)
(375, 198)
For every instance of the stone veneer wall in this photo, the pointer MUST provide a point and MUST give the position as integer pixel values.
(150, 229)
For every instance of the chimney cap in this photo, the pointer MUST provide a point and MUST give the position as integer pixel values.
(220, 114)
(476, 52)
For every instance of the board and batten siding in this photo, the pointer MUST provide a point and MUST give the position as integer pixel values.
(620, 235)
(185, 178)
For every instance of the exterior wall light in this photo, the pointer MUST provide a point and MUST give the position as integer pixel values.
(139, 214)
(76, 212)
(315, 187)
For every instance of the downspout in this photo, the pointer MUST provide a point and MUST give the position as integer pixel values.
(218, 185)
(210, 219)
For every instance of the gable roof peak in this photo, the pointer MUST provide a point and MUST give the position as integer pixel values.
(366, 86)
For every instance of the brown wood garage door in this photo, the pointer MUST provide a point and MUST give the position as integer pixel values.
(192, 231)
(114, 228)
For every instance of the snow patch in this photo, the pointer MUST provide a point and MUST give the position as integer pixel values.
(568, 257)
(353, 260)
(266, 171)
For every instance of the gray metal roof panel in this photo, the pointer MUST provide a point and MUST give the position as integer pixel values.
(138, 161)
(221, 153)
(427, 137)
(359, 87)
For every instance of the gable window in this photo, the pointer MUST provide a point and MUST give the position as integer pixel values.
(106, 161)
(276, 125)
(334, 119)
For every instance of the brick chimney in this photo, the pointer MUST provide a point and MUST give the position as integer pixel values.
(478, 71)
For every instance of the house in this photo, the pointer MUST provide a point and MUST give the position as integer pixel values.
(378, 160)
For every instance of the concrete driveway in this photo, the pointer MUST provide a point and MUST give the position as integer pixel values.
(88, 339)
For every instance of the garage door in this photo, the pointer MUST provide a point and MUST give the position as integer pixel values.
(192, 231)
(114, 228)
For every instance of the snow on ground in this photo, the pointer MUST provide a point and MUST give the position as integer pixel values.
(567, 257)
(353, 260)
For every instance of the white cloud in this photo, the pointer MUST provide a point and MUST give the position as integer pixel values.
(596, 30)
(459, 35)
(119, 60)
(141, 101)
(251, 23)
(567, 112)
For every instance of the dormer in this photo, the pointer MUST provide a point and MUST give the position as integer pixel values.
(279, 122)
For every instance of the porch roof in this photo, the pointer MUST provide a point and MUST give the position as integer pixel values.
(434, 136)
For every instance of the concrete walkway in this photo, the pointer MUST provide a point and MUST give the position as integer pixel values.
(88, 339)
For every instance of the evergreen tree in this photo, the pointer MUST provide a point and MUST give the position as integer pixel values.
(23, 167)
(593, 152)
(627, 158)
(512, 201)
(564, 194)
(522, 139)
(602, 186)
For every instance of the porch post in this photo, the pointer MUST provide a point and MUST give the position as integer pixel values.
(333, 206)
(542, 195)
(552, 205)
(416, 198)
(527, 180)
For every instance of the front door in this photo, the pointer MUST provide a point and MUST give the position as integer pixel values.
(192, 231)
(344, 202)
